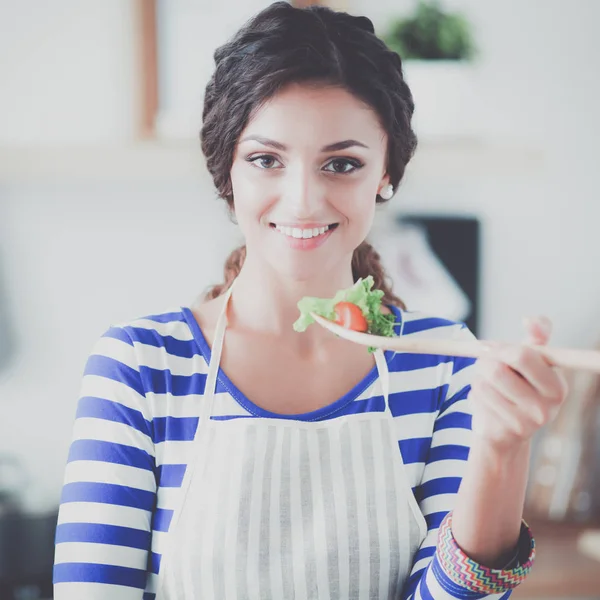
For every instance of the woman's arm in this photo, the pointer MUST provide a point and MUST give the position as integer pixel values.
(104, 526)
(442, 570)
(514, 393)
(487, 519)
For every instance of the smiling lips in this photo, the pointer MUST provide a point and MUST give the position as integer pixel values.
(305, 238)
(302, 233)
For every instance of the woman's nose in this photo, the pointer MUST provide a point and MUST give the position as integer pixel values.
(303, 193)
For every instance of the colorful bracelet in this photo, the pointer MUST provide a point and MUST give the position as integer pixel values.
(467, 573)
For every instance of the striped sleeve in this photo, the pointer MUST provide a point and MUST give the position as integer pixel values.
(433, 576)
(103, 532)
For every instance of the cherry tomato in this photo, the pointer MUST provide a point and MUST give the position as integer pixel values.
(350, 316)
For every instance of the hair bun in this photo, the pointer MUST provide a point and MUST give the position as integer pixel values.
(365, 23)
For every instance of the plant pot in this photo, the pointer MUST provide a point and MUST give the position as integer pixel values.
(445, 97)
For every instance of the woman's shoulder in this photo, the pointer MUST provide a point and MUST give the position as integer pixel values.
(170, 322)
(153, 340)
(149, 354)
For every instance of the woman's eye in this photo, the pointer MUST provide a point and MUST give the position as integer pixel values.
(264, 161)
(343, 166)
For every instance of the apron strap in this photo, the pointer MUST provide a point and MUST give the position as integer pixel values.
(215, 360)
(384, 377)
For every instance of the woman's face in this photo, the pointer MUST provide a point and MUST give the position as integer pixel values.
(305, 175)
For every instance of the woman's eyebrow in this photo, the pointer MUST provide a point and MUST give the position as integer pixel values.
(343, 145)
(279, 146)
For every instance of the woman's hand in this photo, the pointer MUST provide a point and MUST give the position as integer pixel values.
(516, 392)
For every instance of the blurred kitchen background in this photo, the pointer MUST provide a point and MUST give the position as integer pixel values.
(107, 214)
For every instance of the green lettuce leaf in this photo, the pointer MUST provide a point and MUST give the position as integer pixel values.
(361, 294)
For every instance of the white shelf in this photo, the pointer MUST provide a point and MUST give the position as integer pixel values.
(172, 161)
(135, 162)
(463, 157)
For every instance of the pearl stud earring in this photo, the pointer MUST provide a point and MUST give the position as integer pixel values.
(387, 192)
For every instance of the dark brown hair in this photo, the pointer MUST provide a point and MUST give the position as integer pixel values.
(283, 45)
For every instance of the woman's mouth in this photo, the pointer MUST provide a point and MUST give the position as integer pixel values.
(305, 238)
(304, 233)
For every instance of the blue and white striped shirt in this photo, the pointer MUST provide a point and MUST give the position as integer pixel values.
(136, 418)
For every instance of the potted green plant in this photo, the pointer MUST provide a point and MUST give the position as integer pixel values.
(431, 33)
(437, 48)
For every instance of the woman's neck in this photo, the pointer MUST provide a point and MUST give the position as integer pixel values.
(264, 300)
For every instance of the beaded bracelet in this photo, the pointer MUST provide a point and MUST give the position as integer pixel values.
(469, 574)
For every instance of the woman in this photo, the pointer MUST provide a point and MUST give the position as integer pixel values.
(218, 453)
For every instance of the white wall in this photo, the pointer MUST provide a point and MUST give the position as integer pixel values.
(78, 257)
(67, 71)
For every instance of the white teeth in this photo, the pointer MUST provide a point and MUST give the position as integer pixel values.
(298, 233)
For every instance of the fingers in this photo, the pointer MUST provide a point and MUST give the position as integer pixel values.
(537, 376)
(501, 376)
(539, 330)
(508, 418)
(517, 391)
(563, 384)
(527, 362)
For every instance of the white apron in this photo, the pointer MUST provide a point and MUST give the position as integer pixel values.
(284, 509)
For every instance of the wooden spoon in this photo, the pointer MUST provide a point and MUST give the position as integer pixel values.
(569, 358)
